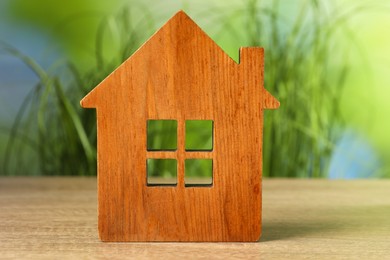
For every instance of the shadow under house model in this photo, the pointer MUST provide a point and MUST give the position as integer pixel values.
(181, 74)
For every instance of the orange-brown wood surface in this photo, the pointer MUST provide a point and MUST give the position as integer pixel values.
(181, 74)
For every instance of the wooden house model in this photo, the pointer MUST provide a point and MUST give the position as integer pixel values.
(181, 74)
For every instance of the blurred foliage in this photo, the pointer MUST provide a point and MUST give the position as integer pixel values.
(199, 135)
(161, 135)
(306, 70)
(198, 171)
(50, 120)
(162, 171)
(73, 23)
(299, 138)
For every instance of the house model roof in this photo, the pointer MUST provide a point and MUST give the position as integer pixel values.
(194, 44)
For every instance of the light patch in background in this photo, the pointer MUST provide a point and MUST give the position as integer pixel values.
(366, 99)
(353, 158)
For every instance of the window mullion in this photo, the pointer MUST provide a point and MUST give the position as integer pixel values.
(180, 152)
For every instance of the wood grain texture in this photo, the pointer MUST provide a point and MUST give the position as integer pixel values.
(181, 74)
(55, 218)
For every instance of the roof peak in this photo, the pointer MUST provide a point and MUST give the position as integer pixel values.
(180, 15)
(183, 21)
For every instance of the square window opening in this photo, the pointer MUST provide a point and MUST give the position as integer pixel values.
(161, 172)
(161, 135)
(199, 135)
(198, 172)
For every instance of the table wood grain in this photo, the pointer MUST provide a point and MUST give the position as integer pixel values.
(56, 218)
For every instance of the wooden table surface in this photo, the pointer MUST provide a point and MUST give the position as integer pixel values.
(55, 218)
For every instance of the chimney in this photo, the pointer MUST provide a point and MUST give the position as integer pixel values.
(252, 67)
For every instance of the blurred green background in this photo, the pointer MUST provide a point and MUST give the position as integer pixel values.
(327, 62)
